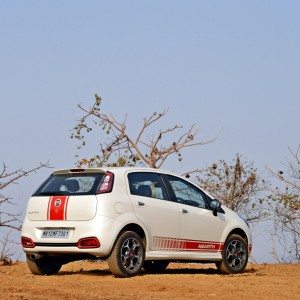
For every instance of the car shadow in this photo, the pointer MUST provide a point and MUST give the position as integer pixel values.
(86, 272)
(208, 271)
(177, 271)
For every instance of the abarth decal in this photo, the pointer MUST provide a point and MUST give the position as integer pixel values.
(173, 244)
(57, 208)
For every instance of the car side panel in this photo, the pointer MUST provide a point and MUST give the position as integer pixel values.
(160, 217)
(200, 224)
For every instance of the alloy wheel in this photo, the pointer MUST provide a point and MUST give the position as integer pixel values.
(236, 255)
(131, 254)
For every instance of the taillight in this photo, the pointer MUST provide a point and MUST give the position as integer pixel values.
(90, 242)
(27, 242)
(106, 184)
(77, 170)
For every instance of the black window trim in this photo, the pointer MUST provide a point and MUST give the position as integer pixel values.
(207, 199)
(95, 185)
(162, 183)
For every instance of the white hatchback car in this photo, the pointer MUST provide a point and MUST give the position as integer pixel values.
(133, 217)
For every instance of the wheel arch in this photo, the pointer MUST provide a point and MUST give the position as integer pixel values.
(138, 229)
(240, 232)
(135, 228)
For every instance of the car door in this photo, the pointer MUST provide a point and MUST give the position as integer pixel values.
(152, 206)
(200, 230)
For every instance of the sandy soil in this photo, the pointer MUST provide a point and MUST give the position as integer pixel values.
(92, 280)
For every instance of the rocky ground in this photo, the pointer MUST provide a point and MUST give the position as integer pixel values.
(92, 280)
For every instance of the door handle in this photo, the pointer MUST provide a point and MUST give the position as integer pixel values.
(139, 203)
(184, 211)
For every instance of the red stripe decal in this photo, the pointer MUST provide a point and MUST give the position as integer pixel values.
(66, 206)
(173, 244)
(48, 209)
(57, 208)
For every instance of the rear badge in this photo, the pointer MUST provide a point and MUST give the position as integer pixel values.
(57, 203)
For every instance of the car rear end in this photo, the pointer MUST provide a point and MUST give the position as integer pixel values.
(63, 216)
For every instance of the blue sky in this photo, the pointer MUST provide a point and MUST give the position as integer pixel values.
(230, 67)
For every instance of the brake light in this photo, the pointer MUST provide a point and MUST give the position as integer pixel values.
(106, 184)
(77, 170)
(27, 242)
(90, 242)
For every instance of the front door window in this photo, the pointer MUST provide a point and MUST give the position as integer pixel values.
(186, 193)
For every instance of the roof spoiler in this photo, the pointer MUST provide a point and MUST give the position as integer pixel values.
(79, 170)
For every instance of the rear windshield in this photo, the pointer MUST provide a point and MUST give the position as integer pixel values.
(70, 184)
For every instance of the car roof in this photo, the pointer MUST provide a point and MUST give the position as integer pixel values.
(113, 169)
(122, 170)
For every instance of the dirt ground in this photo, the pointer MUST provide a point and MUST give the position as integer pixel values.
(92, 280)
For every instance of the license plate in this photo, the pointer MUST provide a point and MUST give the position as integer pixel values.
(55, 233)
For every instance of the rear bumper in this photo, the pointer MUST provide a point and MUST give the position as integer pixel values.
(103, 228)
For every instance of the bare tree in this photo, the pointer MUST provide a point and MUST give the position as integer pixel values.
(238, 186)
(9, 218)
(287, 208)
(122, 148)
(7, 249)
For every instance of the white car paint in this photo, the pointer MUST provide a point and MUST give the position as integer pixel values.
(172, 230)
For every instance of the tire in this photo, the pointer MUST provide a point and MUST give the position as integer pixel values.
(155, 266)
(43, 266)
(234, 255)
(128, 255)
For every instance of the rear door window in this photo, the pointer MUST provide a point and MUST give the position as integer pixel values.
(147, 184)
(70, 184)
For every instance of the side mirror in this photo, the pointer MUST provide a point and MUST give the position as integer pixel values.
(215, 206)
